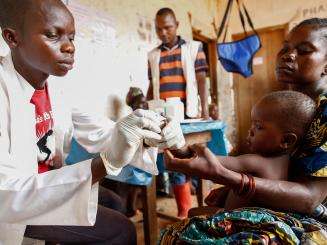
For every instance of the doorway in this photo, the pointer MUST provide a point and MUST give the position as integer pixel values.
(210, 50)
(248, 91)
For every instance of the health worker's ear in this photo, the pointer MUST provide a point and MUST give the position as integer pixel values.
(11, 37)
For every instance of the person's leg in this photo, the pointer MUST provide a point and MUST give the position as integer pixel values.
(118, 196)
(132, 200)
(182, 191)
(162, 180)
(111, 227)
(163, 185)
(110, 199)
(120, 189)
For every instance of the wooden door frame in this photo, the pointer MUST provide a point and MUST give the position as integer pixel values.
(213, 59)
(264, 29)
(237, 36)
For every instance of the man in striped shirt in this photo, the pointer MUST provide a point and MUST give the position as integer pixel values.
(173, 83)
(172, 78)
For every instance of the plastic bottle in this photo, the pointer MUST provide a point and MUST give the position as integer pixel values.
(174, 108)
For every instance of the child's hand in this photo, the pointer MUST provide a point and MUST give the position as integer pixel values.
(183, 153)
(204, 164)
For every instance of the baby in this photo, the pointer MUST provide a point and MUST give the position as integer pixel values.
(278, 123)
(136, 99)
(213, 111)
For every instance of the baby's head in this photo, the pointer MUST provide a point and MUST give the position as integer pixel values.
(136, 99)
(40, 34)
(279, 121)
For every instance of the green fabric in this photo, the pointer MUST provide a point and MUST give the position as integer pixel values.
(247, 226)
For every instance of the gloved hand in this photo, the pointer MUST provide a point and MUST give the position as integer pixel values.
(172, 137)
(128, 134)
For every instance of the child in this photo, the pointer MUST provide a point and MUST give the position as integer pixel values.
(273, 136)
(213, 111)
(136, 99)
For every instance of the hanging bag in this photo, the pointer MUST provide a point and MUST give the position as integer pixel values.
(237, 56)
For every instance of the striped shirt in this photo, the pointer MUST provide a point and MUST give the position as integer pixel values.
(172, 80)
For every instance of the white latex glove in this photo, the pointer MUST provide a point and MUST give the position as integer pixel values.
(172, 137)
(128, 134)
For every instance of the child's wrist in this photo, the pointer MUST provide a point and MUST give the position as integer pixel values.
(246, 188)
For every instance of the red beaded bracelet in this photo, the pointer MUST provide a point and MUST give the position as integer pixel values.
(251, 190)
(242, 184)
(238, 191)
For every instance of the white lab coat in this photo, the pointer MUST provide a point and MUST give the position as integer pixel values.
(58, 197)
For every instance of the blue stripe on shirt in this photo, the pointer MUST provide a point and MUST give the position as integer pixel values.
(172, 72)
(166, 87)
(170, 58)
(200, 62)
(202, 69)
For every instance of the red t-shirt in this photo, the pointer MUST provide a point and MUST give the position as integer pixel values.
(44, 129)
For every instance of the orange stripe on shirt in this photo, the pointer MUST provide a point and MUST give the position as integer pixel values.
(172, 79)
(170, 65)
(180, 94)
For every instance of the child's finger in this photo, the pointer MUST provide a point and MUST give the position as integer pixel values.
(168, 154)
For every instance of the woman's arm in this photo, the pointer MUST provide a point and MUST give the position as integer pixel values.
(303, 196)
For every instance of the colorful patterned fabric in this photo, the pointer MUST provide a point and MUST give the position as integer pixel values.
(172, 81)
(247, 226)
(311, 155)
(321, 212)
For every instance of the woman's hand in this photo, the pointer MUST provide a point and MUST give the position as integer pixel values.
(217, 197)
